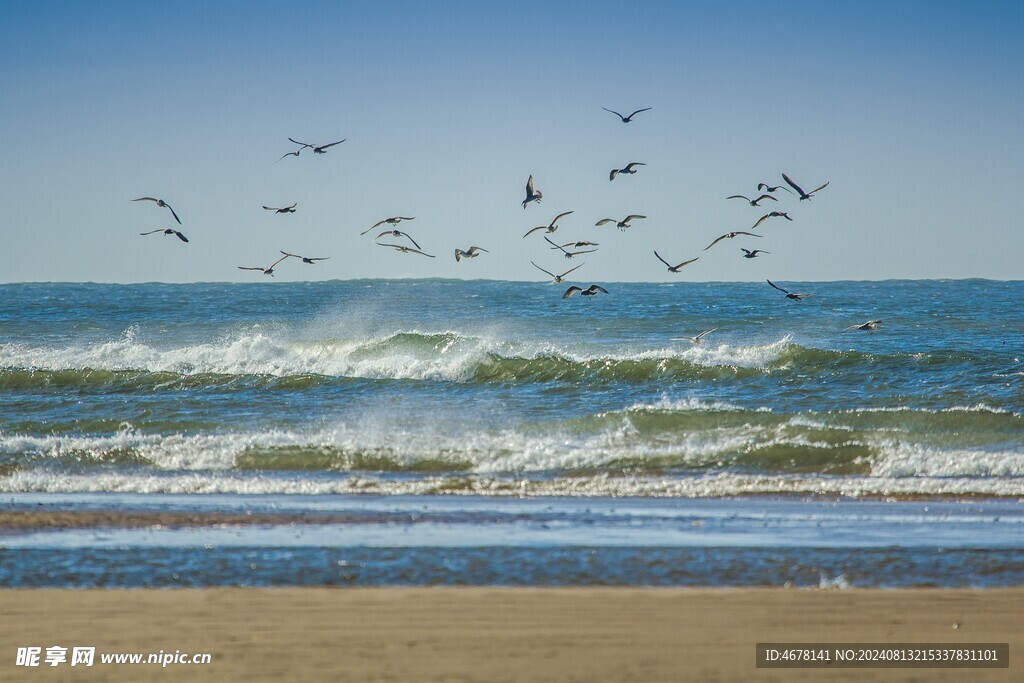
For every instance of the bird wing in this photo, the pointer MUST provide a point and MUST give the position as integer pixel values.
(638, 111)
(411, 239)
(793, 185)
(632, 216)
(776, 287)
(765, 196)
(762, 187)
(318, 258)
(304, 144)
(605, 220)
(572, 290)
(738, 196)
(615, 172)
(288, 254)
(548, 271)
(820, 188)
(598, 288)
(152, 231)
(716, 241)
(533, 230)
(180, 236)
(458, 255)
(147, 199)
(661, 259)
(746, 251)
(761, 220)
(705, 333)
(479, 249)
(577, 253)
(615, 112)
(289, 154)
(685, 263)
(529, 187)
(741, 232)
(332, 144)
(568, 271)
(559, 217)
(276, 262)
(172, 212)
(553, 244)
(250, 268)
(406, 218)
(630, 165)
(270, 208)
(377, 224)
(292, 206)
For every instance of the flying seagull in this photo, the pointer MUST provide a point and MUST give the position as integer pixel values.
(789, 295)
(394, 220)
(771, 214)
(306, 259)
(550, 227)
(472, 252)
(569, 254)
(317, 149)
(167, 231)
(729, 236)
(284, 209)
(869, 326)
(753, 202)
(291, 154)
(557, 278)
(397, 233)
(575, 245)
(747, 253)
(405, 250)
(621, 225)
(803, 195)
(159, 202)
(765, 187)
(592, 290)
(266, 271)
(627, 119)
(531, 194)
(695, 340)
(674, 269)
(629, 170)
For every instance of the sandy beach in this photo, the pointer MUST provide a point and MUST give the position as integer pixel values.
(495, 634)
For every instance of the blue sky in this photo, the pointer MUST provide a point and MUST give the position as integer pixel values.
(912, 111)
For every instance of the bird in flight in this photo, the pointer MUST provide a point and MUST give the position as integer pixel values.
(771, 214)
(575, 245)
(765, 187)
(569, 254)
(405, 250)
(695, 340)
(803, 195)
(671, 268)
(394, 220)
(306, 259)
(266, 271)
(557, 278)
(753, 202)
(472, 252)
(397, 233)
(550, 227)
(729, 236)
(869, 326)
(621, 225)
(747, 253)
(627, 119)
(592, 290)
(284, 209)
(531, 194)
(167, 231)
(159, 202)
(317, 149)
(291, 154)
(629, 170)
(789, 295)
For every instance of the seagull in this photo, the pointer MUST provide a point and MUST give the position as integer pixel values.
(472, 252)
(167, 231)
(729, 236)
(306, 259)
(789, 295)
(674, 269)
(771, 214)
(765, 187)
(397, 233)
(869, 326)
(394, 220)
(321, 149)
(291, 154)
(266, 271)
(695, 340)
(629, 170)
(569, 254)
(753, 202)
(747, 253)
(621, 225)
(531, 194)
(550, 227)
(576, 245)
(557, 278)
(405, 250)
(803, 195)
(159, 202)
(286, 209)
(627, 119)
(592, 290)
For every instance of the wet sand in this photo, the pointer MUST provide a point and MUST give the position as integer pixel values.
(496, 634)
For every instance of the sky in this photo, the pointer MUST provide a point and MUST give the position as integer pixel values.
(912, 111)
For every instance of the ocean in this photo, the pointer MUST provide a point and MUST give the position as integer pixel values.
(502, 394)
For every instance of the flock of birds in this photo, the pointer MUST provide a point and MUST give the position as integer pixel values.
(401, 241)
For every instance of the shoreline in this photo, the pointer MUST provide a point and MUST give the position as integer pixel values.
(499, 634)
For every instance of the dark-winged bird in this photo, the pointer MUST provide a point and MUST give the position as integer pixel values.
(671, 268)
(531, 194)
(803, 195)
(167, 231)
(629, 170)
(159, 202)
(627, 119)
(789, 295)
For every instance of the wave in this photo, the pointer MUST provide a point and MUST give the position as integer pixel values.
(261, 360)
